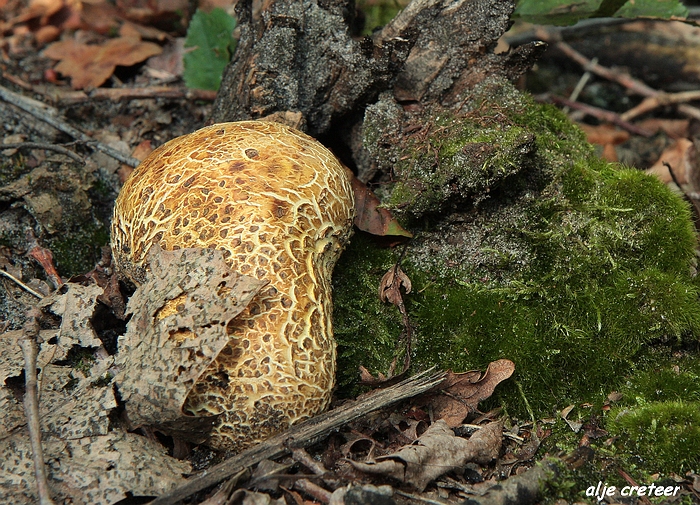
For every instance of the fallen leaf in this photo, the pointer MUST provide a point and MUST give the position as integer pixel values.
(178, 327)
(682, 157)
(461, 393)
(79, 302)
(371, 217)
(607, 136)
(674, 128)
(574, 425)
(604, 134)
(89, 66)
(91, 461)
(391, 284)
(99, 470)
(435, 453)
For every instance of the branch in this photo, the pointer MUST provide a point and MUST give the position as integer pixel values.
(27, 106)
(626, 80)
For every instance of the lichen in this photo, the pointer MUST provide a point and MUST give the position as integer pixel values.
(527, 247)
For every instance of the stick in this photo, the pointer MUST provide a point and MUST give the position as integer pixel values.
(621, 78)
(28, 343)
(596, 112)
(117, 94)
(21, 284)
(24, 104)
(47, 147)
(304, 434)
(660, 100)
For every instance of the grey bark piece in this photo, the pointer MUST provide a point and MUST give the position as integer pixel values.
(300, 56)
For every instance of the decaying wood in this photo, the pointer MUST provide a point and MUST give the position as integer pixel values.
(304, 434)
(300, 56)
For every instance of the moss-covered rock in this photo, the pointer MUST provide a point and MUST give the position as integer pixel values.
(527, 247)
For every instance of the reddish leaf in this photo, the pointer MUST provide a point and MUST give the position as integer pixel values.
(462, 392)
(89, 66)
(370, 216)
(682, 157)
(391, 284)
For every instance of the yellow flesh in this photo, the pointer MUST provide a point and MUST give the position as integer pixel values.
(280, 205)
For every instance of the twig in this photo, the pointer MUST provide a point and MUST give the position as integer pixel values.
(660, 100)
(304, 434)
(24, 104)
(580, 84)
(314, 490)
(596, 112)
(626, 80)
(29, 346)
(21, 284)
(301, 456)
(117, 94)
(418, 498)
(48, 147)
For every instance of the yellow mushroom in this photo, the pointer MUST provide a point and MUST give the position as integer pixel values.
(280, 206)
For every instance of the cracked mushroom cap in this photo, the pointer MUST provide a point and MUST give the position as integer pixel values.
(280, 206)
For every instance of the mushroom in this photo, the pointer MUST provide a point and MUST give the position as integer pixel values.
(280, 206)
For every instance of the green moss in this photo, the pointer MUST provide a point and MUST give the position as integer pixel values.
(666, 433)
(365, 329)
(78, 249)
(663, 375)
(377, 14)
(536, 251)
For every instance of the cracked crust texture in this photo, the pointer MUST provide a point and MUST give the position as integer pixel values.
(280, 206)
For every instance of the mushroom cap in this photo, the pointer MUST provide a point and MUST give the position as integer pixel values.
(280, 206)
(225, 186)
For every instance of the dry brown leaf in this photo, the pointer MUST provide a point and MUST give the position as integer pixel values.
(574, 425)
(162, 358)
(607, 136)
(89, 463)
(462, 392)
(78, 303)
(391, 284)
(435, 453)
(97, 470)
(89, 66)
(674, 128)
(682, 157)
(604, 134)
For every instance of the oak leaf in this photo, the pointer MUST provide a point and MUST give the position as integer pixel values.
(89, 66)
(461, 393)
(435, 453)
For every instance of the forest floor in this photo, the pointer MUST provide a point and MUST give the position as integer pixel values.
(632, 86)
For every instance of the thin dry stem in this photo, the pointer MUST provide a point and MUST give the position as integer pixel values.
(29, 346)
(29, 106)
(21, 284)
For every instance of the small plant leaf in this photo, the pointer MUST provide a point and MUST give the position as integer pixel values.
(210, 36)
(565, 12)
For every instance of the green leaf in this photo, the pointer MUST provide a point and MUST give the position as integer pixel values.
(566, 12)
(211, 37)
(663, 9)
